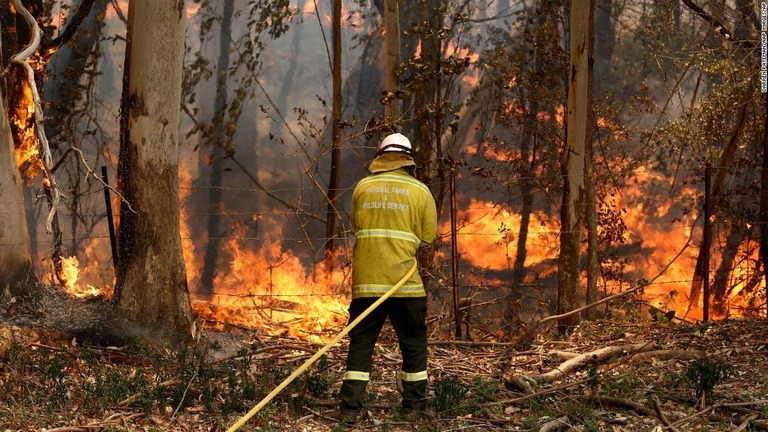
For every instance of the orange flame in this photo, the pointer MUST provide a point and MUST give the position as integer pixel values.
(271, 289)
(488, 236)
(27, 152)
(69, 274)
(471, 76)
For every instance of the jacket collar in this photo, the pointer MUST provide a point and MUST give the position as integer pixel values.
(389, 161)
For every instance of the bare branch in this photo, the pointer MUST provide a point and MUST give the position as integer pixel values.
(45, 151)
(661, 416)
(98, 178)
(82, 12)
(717, 26)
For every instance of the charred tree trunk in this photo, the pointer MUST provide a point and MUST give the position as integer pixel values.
(574, 154)
(528, 146)
(720, 289)
(700, 271)
(427, 125)
(151, 298)
(528, 155)
(220, 149)
(335, 178)
(25, 35)
(16, 271)
(593, 261)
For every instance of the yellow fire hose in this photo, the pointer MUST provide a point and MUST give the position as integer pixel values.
(322, 351)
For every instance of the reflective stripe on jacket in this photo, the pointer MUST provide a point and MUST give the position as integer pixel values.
(392, 214)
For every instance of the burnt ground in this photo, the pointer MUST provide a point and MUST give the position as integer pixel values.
(643, 376)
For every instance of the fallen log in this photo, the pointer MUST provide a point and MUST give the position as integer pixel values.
(571, 365)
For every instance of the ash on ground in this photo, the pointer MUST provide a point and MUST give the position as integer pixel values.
(50, 307)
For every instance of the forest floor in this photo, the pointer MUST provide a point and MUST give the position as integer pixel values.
(624, 372)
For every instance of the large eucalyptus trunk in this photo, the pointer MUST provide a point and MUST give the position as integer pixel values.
(573, 159)
(15, 252)
(151, 298)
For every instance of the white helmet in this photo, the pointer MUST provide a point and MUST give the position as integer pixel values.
(395, 143)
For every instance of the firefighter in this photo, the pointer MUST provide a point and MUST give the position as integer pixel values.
(393, 215)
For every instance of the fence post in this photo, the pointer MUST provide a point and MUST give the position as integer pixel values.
(110, 222)
(707, 236)
(455, 253)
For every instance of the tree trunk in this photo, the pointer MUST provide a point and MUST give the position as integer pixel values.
(392, 22)
(288, 81)
(427, 124)
(24, 35)
(220, 148)
(75, 61)
(151, 298)
(700, 271)
(335, 179)
(16, 272)
(605, 40)
(720, 289)
(593, 261)
(68, 65)
(528, 144)
(578, 135)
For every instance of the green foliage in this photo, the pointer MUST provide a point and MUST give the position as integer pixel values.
(240, 389)
(583, 412)
(320, 380)
(108, 386)
(141, 349)
(621, 386)
(264, 19)
(705, 374)
(449, 393)
(484, 390)
(54, 378)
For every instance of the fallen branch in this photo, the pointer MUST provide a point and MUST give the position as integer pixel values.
(113, 420)
(293, 347)
(136, 396)
(557, 424)
(622, 403)
(661, 416)
(745, 424)
(594, 357)
(671, 355)
(718, 406)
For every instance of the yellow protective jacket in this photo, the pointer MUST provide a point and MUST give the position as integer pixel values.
(393, 214)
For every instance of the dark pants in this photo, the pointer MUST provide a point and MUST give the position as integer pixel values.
(407, 316)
